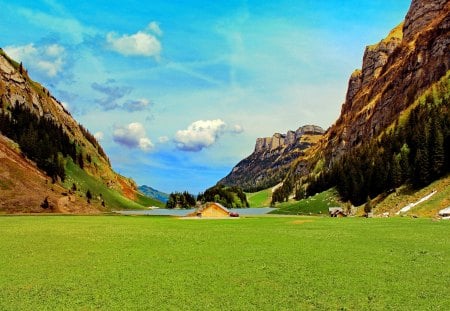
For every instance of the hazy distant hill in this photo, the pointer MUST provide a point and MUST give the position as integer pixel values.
(153, 193)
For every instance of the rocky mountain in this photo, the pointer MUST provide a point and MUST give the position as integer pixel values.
(395, 72)
(393, 118)
(49, 161)
(272, 158)
(393, 128)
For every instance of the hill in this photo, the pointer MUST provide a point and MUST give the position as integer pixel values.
(153, 193)
(50, 163)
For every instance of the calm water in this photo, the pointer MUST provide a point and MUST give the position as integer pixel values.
(184, 212)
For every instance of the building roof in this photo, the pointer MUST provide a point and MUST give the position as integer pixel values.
(205, 206)
(213, 203)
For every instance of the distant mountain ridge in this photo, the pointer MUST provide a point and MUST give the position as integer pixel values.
(272, 158)
(153, 193)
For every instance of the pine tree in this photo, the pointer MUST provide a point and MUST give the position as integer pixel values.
(437, 154)
(395, 179)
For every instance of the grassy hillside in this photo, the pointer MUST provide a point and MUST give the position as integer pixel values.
(259, 199)
(267, 263)
(405, 195)
(113, 199)
(317, 204)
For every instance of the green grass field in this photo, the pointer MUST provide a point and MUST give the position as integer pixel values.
(317, 204)
(266, 263)
(259, 199)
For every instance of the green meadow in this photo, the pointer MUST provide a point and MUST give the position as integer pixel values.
(259, 199)
(260, 263)
(317, 204)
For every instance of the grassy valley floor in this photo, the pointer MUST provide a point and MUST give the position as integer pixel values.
(265, 263)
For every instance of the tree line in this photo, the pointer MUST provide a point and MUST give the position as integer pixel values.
(181, 200)
(40, 139)
(231, 197)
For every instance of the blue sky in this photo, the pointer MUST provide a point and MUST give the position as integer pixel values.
(178, 91)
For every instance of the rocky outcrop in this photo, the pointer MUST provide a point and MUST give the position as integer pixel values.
(285, 140)
(376, 56)
(272, 157)
(394, 73)
(422, 14)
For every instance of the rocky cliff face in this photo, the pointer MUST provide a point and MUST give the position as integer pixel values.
(272, 157)
(285, 140)
(394, 73)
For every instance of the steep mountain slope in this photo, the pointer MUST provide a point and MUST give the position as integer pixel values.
(395, 72)
(395, 107)
(271, 159)
(45, 132)
(24, 188)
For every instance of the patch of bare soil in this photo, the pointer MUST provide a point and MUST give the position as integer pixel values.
(26, 189)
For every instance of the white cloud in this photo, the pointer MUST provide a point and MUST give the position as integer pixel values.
(142, 43)
(237, 129)
(47, 59)
(132, 136)
(99, 136)
(154, 27)
(200, 134)
(145, 144)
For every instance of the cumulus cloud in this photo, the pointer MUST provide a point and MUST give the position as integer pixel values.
(132, 136)
(200, 134)
(142, 43)
(47, 59)
(112, 93)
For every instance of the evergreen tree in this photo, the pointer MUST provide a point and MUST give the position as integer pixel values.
(395, 176)
(436, 151)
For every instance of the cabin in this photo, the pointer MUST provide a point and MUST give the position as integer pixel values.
(336, 212)
(211, 210)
